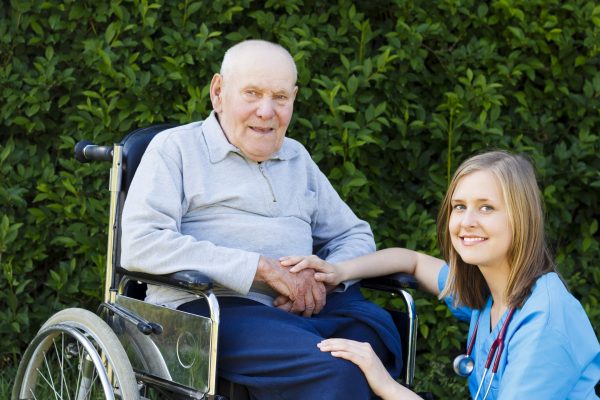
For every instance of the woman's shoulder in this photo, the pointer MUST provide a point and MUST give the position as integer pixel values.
(553, 306)
(549, 294)
(551, 345)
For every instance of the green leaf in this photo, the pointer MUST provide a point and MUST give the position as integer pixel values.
(517, 32)
(593, 227)
(111, 32)
(194, 7)
(346, 108)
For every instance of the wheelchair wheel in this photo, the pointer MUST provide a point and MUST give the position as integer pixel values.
(75, 356)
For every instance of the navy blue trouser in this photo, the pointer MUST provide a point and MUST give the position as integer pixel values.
(274, 353)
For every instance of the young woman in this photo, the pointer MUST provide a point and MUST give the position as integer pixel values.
(499, 274)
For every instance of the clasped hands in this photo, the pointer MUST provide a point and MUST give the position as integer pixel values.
(301, 290)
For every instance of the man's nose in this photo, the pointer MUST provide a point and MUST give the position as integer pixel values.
(266, 109)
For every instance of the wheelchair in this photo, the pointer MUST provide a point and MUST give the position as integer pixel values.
(134, 350)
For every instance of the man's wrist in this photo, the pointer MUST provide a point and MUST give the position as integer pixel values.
(260, 270)
(263, 270)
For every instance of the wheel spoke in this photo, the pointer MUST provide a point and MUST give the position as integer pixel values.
(90, 364)
(50, 384)
(60, 357)
(79, 373)
(87, 377)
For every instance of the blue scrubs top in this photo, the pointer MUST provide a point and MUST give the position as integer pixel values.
(550, 348)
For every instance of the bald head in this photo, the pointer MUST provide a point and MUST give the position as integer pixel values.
(253, 97)
(251, 53)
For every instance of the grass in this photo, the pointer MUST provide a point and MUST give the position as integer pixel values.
(7, 377)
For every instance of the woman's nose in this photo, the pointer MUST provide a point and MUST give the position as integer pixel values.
(469, 217)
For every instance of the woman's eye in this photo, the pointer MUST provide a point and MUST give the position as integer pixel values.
(487, 208)
(458, 207)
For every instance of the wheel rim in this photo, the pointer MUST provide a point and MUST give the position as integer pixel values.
(65, 364)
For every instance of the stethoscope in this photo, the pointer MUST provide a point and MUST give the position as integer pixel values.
(464, 364)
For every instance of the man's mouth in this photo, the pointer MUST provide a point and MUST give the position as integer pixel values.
(262, 129)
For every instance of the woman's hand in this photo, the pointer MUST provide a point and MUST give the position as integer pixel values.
(329, 274)
(362, 354)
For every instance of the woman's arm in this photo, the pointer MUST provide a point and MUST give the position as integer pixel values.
(383, 262)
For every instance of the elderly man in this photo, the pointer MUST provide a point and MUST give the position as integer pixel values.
(229, 196)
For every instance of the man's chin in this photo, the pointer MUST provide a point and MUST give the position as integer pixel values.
(260, 154)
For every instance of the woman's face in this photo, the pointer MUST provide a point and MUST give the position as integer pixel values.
(479, 224)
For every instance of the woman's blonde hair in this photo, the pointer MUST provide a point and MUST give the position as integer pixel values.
(528, 254)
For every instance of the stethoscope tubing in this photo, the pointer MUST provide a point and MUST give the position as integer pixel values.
(493, 355)
(489, 386)
(485, 370)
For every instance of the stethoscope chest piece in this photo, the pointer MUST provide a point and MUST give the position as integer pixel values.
(463, 365)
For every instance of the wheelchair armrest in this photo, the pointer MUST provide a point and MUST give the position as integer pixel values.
(186, 279)
(391, 283)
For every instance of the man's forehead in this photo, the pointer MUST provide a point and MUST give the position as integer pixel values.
(266, 83)
(263, 63)
(264, 75)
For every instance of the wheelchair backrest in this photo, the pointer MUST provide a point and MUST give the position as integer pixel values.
(181, 357)
(134, 146)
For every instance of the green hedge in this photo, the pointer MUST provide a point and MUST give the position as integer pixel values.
(393, 96)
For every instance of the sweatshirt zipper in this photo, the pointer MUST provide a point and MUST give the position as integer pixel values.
(262, 171)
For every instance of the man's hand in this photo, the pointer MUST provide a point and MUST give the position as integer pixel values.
(304, 294)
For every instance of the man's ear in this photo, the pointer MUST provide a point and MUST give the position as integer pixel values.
(216, 86)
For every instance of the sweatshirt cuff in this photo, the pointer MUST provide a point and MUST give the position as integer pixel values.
(243, 279)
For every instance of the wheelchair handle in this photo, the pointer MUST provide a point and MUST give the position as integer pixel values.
(86, 151)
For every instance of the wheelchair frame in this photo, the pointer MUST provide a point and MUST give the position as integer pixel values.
(125, 351)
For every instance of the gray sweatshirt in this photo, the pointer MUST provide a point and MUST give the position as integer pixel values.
(197, 203)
